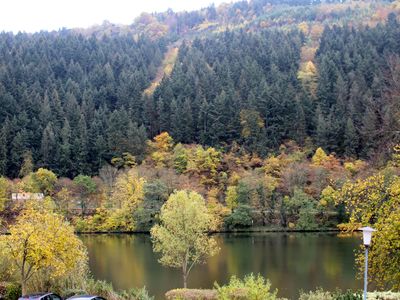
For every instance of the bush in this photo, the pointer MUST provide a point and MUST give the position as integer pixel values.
(348, 295)
(100, 288)
(384, 296)
(10, 291)
(72, 292)
(135, 294)
(251, 288)
(106, 290)
(239, 218)
(191, 294)
(320, 294)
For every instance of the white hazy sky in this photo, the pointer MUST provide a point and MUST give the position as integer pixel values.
(36, 15)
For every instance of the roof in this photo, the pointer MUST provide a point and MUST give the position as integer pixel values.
(37, 295)
(82, 297)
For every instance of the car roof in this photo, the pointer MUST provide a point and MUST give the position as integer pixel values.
(37, 295)
(86, 297)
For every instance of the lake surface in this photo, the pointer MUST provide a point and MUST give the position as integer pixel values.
(291, 261)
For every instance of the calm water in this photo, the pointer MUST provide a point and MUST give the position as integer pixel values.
(292, 261)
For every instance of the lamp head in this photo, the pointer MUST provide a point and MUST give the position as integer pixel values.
(367, 234)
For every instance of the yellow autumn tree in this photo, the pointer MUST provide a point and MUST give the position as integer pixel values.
(308, 76)
(384, 255)
(303, 27)
(41, 181)
(128, 192)
(182, 235)
(216, 209)
(370, 199)
(161, 147)
(42, 240)
(127, 196)
(205, 162)
(319, 157)
(231, 197)
(375, 201)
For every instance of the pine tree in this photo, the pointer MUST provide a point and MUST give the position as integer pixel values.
(321, 131)
(351, 139)
(3, 149)
(65, 150)
(81, 149)
(48, 148)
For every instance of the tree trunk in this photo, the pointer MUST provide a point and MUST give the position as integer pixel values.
(23, 280)
(184, 281)
(23, 287)
(184, 275)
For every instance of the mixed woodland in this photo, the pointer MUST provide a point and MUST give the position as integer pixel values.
(279, 115)
(263, 110)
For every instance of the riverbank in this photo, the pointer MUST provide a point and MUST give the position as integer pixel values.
(238, 230)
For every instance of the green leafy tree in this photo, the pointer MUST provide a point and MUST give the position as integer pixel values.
(155, 194)
(182, 236)
(303, 207)
(180, 158)
(44, 181)
(85, 187)
(239, 218)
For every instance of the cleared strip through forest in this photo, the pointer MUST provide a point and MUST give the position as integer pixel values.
(165, 69)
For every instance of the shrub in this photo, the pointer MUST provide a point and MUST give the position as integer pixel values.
(106, 290)
(384, 296)
(191, 294)
(318, 294)
(71, 292)
(135, 294)
(12, 291)
(100, 288)
(251, 288)
(348, 295)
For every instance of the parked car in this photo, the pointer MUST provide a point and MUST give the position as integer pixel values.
(41, 296)
(86, 297)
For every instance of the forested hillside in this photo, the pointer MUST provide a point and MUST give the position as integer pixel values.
(253, 74)
(72, 102)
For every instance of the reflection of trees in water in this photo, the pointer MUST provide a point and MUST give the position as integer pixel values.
(291, 261)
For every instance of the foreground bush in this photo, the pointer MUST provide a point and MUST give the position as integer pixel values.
(191, 294)
(251, 288)
(383, 296)
(106, 290)
(320, 294)
(10, 291)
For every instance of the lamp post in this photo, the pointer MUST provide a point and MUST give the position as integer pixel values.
(367, 234)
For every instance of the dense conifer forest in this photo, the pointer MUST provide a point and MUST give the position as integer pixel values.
(73, 100)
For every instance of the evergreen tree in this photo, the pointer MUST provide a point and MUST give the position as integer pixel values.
(350, 139)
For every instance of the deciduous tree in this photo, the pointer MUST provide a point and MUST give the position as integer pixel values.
(85, 187)
(42, 240)
(182, 236)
